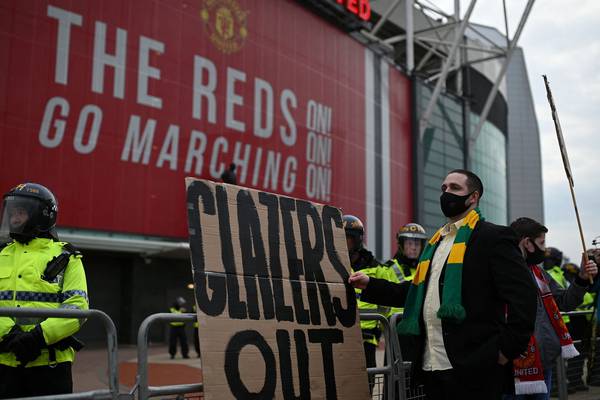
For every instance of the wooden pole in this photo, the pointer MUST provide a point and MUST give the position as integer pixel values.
(565, 159)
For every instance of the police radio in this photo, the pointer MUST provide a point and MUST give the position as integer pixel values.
(59, 263)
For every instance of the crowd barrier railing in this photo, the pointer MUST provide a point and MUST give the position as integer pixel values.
(111, 340)
(143, 389)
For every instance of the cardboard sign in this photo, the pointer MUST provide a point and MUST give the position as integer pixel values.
(276, 317)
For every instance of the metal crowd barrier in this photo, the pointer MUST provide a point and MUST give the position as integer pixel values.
(145, 391)
(388, 370)
(404, 388)
(562, 381)
(111, 334)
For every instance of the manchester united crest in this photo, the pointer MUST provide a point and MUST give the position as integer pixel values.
(225, 23)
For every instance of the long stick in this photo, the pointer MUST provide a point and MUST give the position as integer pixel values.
(565, 158)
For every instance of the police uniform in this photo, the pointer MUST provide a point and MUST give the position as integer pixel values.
(363, 260)
(177, 330)
(36, 354)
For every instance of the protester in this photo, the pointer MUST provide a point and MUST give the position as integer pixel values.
(177, 330)
(593, 364)
(37, 271)
(579, 328)
(469, 272)
(551, 338)
(228, 176)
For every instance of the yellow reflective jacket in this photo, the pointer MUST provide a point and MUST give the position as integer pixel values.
(400, 270)
(21, 285)
(558, 275)
(196, 313)
(370, 267)
(173, 310)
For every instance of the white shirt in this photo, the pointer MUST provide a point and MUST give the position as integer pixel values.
(435, 357)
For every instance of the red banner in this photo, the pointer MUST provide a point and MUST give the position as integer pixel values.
(111, 104)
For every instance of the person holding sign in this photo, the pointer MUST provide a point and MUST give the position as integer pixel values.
(551, 338)
(470, 272)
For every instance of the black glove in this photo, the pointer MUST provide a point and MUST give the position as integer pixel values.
(14, 331)
(27, 346)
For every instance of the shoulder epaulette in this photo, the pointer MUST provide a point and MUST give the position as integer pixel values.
(69, 248)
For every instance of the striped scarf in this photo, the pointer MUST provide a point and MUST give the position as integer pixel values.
(451, 308)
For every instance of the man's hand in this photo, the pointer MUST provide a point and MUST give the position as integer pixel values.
(502, 360)
(27, 346)
(588, 270)
(358, 280)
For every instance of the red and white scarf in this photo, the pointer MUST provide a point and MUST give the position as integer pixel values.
(528, 371)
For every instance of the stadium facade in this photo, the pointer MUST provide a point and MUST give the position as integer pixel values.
(112, 104)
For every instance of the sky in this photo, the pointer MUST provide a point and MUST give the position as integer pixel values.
(561, 40)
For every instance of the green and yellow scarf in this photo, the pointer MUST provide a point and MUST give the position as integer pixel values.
(451, 308)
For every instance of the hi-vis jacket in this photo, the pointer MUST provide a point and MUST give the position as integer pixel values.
(21, 285)
(173, 310)
(403, 272)
(371, 267)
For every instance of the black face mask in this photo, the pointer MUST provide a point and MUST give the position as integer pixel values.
(453, 204)
(537, 256)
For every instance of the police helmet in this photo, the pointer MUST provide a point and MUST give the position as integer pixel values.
(353, 226)
(29, 210)
(411, 230)
(180, 301)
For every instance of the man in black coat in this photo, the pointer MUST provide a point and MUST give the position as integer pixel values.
(466, 357)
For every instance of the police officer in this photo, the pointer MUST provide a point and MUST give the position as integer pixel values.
(38, 271)
(177, 330)
(363, 260)
(552, 264)
(411, 241)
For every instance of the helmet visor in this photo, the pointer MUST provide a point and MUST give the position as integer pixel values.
(18, 214)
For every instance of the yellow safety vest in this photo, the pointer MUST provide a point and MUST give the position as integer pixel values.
(394, 265)
(176, 311)
(370, 328)
(21, 285)
(558, 275)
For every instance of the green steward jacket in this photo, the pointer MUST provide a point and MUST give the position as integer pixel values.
(21, 285)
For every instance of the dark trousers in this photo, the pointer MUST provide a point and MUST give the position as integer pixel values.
(196, 341)
(35, 381)
(447, 385)
(370, 355)
(178, 332)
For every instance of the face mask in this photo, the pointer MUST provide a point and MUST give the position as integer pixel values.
(453, 204)
(537, 256)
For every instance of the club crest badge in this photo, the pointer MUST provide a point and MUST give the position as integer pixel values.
(225, 23)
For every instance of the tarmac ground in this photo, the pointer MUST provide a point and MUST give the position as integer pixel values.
(90, 370)
(91, 367)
